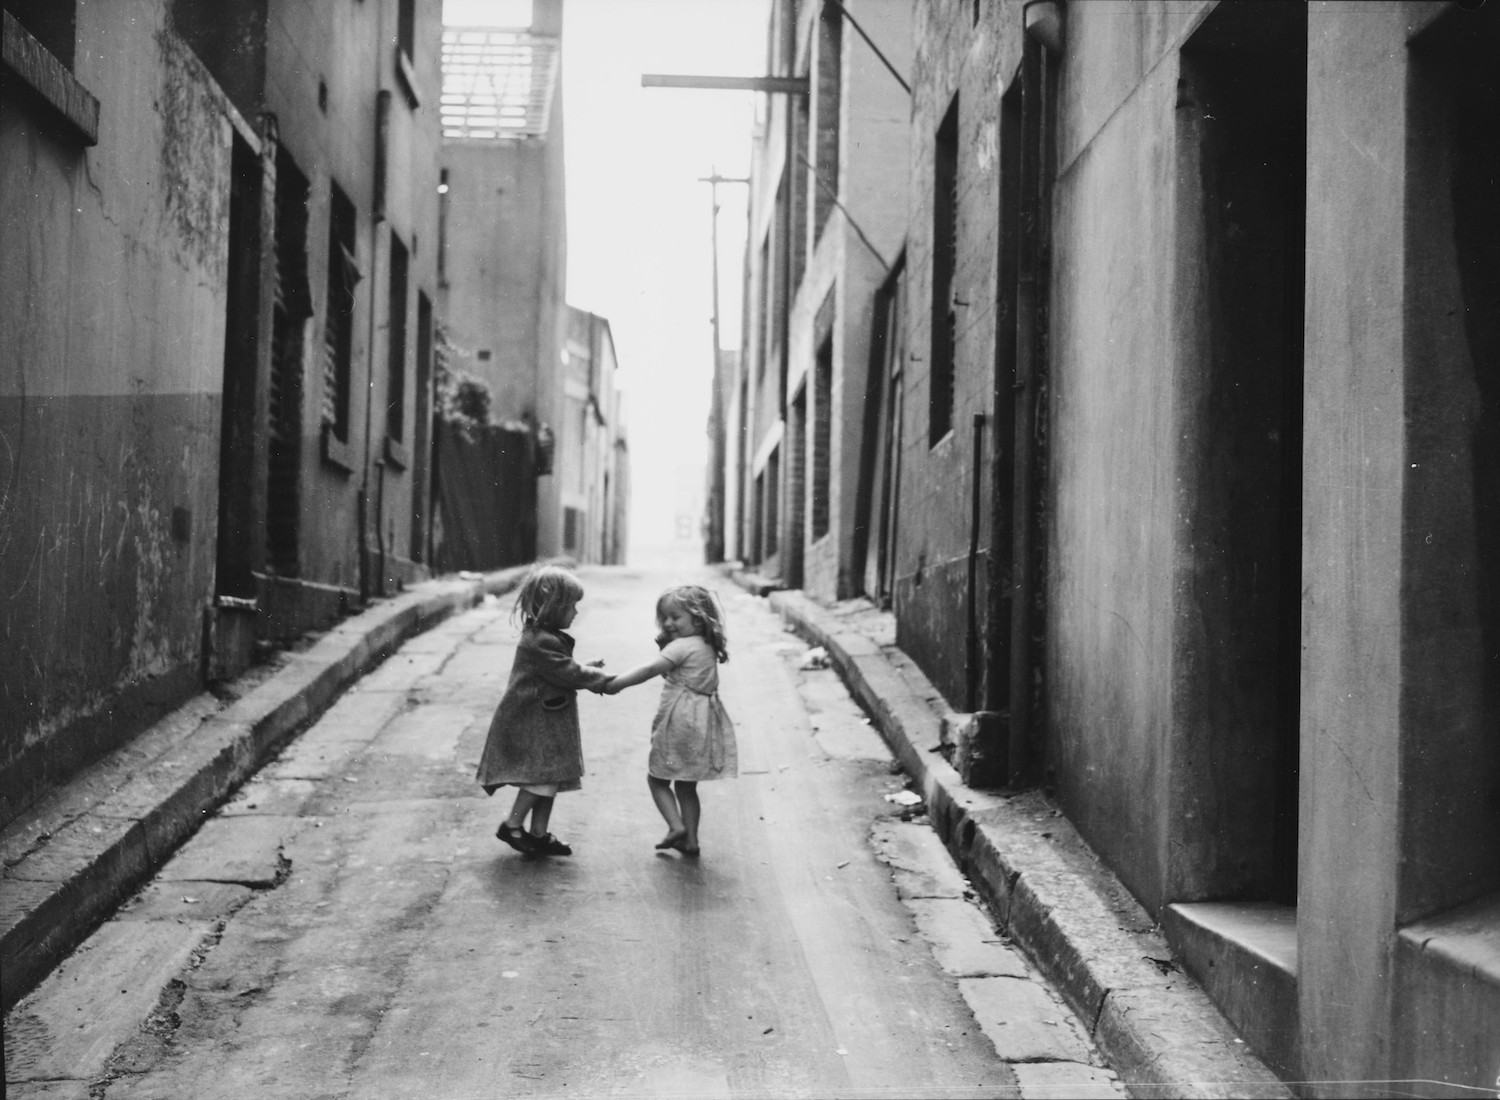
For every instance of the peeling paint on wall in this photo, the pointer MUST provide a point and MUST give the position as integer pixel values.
(193, 154)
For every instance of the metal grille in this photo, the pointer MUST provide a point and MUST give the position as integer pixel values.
(497, 84)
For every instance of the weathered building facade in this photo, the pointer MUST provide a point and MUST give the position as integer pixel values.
(219, 228)
(342, 404)
(113, 314)
(827, 217)
(1219, 279)
(1187, 481)
(591, 445)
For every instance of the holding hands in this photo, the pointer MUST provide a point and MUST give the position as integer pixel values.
(612, 686)
(600, 689)
(674, 623)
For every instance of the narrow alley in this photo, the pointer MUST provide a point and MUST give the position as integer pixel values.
(347, 926)
(1087, 410)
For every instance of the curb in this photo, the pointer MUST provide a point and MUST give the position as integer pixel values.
(1048, 891)
(67, 866)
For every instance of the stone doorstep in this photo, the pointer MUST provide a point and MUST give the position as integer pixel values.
(1158, 1029)
(1245, 958)
(1450, 962)
(83, 853)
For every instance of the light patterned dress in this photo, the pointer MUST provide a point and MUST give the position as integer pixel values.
(692, 737)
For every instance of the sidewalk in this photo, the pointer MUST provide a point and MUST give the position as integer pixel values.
(1047, 890)
(69, 861)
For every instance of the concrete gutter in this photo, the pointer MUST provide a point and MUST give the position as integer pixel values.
(71, 860)
(1046, 888)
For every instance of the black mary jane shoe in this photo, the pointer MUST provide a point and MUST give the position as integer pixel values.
(549, 845)
(519, 839)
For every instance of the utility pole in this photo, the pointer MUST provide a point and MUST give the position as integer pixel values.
(713, 543)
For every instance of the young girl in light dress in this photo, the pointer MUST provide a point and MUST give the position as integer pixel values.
(692, 738)
(534, 741)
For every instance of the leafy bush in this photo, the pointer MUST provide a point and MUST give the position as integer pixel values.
(463, 398)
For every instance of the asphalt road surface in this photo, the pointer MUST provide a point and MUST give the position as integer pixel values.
(350, 927)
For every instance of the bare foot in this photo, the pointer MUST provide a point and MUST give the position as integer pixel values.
(673, 839)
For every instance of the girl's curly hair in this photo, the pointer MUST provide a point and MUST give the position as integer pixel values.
(704, 607)
(546, 593)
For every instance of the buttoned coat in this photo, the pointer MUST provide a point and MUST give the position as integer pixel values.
(534, 735)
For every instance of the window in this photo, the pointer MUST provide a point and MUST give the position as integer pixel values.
(776, 336)
(944, 257)
(406, 50)
(395, 394)
(773, 500)
(572, 528)
(803, 184)
(406, 28)
(338, 321)
(764, 309)
(822, 438)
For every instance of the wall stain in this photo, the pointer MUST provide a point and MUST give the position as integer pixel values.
(192, 156)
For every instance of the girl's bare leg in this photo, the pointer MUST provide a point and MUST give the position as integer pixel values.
(525, 800)
(541, 814)
(692, 812)
(666, 805)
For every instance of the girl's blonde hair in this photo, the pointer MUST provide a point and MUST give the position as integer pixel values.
(546, 593)
(701, 604)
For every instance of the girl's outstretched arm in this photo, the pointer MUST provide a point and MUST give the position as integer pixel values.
(555, 665)
(638, 675)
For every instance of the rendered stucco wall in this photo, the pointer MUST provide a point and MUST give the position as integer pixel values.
(1399, 757)
(112, 313)
(1114, 437)
(1352, 564)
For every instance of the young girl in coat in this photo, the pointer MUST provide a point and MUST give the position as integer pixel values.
(534, 741)
(692, 738)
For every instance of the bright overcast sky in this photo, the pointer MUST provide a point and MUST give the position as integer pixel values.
(639, 222)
